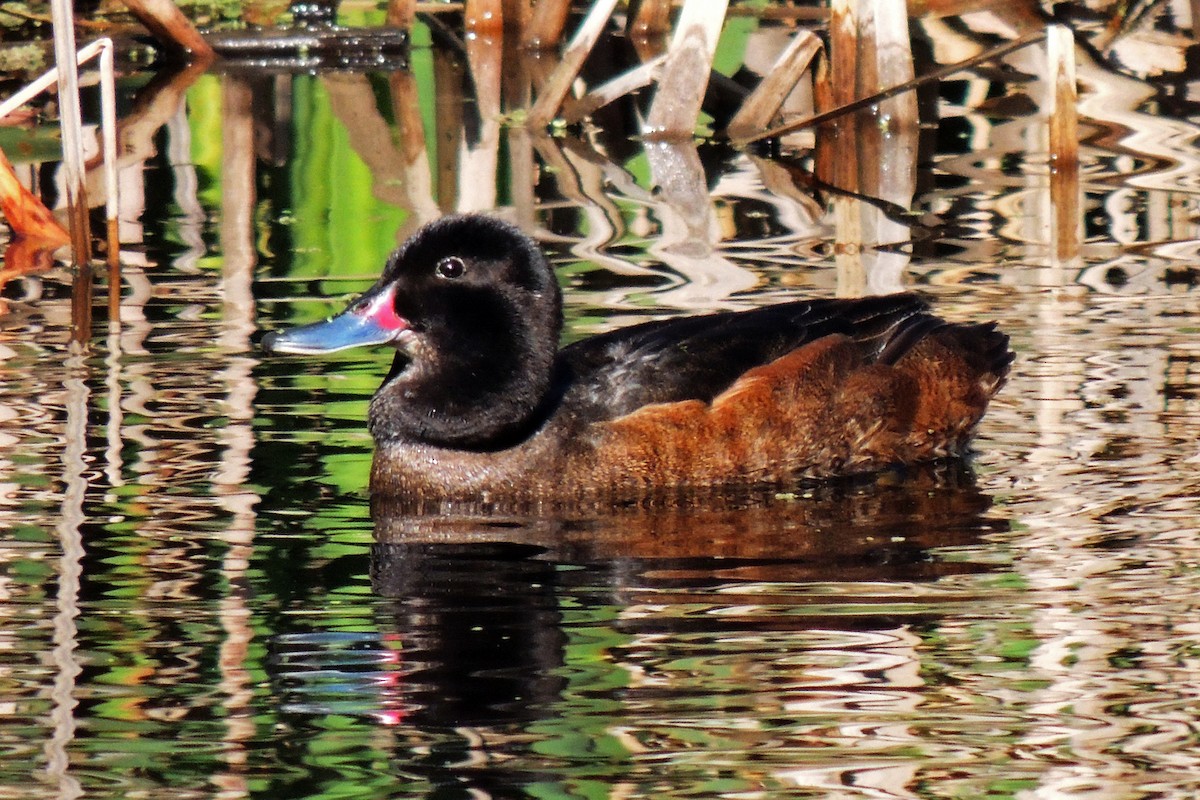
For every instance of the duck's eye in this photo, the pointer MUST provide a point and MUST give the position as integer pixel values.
(450, 267)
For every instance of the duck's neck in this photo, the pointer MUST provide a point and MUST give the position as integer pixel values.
(479, 393)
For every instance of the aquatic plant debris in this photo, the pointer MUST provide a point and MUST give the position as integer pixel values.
(27, 215)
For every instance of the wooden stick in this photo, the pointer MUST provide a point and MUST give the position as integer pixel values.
(767, 98)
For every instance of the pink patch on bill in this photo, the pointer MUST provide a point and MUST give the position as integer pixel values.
(383, 311)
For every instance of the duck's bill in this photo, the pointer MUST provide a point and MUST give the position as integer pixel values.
(370, 320)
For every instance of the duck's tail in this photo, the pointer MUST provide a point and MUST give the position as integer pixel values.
(986, 349)
(980, 351)
(951, 371)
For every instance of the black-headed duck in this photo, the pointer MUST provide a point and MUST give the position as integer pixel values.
(481, 404)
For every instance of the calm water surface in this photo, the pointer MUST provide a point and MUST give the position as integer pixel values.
(199, 602)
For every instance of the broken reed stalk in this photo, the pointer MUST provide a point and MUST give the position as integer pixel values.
(676, 106)
(564, 74)
(629, 81)
(70, 122)
(108, 141)
(108, 117)
(28, 218)
(765, 101)
(907, 86)
(1063, 140)
(169, 25)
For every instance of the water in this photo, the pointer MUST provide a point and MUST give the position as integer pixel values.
(199, 601)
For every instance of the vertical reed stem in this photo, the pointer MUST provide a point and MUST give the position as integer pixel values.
(1063, 120)
(401, 13)
(448, 126)
(517, 14)
(546, 24)
(108, 119)
(418, 177)
(237, 174)
(885, 58)
(843, 51)
(71, 124)
(649, 18)
(483, 17)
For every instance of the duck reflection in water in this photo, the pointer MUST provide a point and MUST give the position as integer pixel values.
(478, 596)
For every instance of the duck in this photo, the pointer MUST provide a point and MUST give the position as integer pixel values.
(481, 404)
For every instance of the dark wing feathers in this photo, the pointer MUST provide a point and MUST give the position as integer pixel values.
(699, 357)
(904, 336)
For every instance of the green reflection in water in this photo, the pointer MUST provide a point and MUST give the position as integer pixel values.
(335, 225)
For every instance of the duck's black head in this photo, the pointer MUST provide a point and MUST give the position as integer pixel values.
(474, 310)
